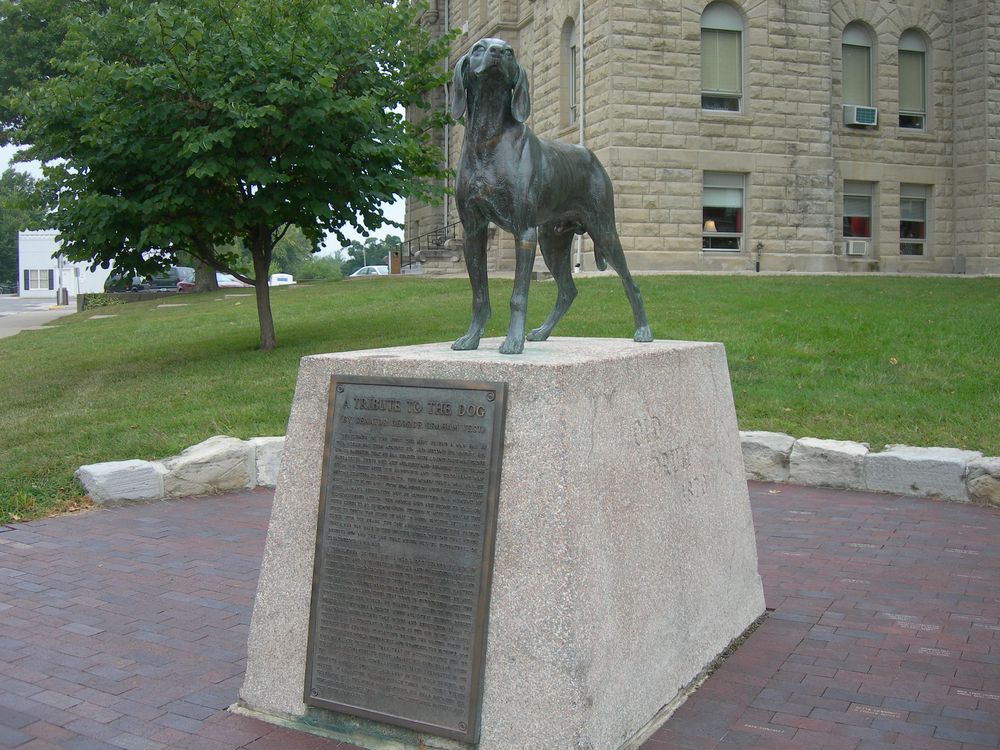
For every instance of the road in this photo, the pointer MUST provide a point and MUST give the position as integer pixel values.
(27, 314)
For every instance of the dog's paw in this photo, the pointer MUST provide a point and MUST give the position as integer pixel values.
(643, 334)
(512, 346)
(466, 343)
(538, 334)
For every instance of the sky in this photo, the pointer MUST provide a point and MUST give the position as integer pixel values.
(394, 211)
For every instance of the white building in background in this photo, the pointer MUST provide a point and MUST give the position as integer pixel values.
(41, 271)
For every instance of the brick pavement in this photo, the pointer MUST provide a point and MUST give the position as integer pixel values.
(126, 628)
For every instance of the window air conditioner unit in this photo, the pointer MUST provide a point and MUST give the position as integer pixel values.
(864, 116)
(856, 247)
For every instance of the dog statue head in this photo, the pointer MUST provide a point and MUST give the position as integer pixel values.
(490, 61)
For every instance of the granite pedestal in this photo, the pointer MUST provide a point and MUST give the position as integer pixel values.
(625, 555)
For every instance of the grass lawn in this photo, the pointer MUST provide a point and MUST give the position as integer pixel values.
(907, 360)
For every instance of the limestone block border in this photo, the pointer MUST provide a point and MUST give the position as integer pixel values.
(219, 464)
(223, 464)
(939, 473)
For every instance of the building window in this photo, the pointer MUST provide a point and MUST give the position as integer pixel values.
(913, 219)
(39, 279)
(856, 53)
(721, 58)
(571, 72)
(912, 81)
(858, 210)
(722, 212)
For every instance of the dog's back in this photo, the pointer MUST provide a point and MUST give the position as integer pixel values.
(572, 184)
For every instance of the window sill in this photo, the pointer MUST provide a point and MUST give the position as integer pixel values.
(912, 134)
(741, 118)
(566, 130)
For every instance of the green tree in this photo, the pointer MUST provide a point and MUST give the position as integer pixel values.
(21, 207)
(196, 124)
(373, 251)
(292, 252)
(32, 31)
(319, 268)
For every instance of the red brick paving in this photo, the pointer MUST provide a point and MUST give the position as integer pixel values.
(885, 631)
(126, 628)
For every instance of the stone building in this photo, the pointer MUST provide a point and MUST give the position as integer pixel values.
(834, 135)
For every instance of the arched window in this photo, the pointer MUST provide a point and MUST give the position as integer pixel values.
(857, 64)
(912, 80)
(721, 58)
(570, 72)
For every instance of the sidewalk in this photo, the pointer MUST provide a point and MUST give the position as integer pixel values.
(126, 628)
(30, 314)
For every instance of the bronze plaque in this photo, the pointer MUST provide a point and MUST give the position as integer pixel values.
(404, 551)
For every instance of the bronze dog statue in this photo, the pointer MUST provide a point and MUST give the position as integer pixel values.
(542, 192)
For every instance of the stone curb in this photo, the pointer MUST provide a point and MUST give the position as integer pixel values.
(223, 464)
(219, 464)
(940, 473)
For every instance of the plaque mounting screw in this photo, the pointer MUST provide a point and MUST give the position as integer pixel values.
(491, 396)
(340, 389)
(461, 726)
(314, 692)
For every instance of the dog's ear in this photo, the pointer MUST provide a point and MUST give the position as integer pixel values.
(520, 99)
(458, 88)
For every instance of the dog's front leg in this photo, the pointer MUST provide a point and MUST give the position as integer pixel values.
(525, 243)
(475, 262)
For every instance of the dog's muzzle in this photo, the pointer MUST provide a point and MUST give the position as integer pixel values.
(488, 61)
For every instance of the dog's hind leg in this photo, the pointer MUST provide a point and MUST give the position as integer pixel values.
(475, 262)
(525, 243)
(608, 245)
(556, 250)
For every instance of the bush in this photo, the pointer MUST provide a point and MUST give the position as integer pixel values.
(90, 301)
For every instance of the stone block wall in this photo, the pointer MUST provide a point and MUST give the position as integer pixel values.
(977, 134)
(888, 155)
(643, 117)
(422, 218)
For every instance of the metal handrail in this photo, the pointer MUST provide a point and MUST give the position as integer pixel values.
(432, 240)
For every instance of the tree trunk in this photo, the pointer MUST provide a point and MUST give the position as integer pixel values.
(261, 249)
(204, 278)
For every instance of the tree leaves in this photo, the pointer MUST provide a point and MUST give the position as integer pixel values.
(191, 124)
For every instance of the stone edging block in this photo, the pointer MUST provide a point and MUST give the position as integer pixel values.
(983, 480)
(828, 463)
(766, 454)
(927, 472)
(941, 473)
(219, 464)
(268, 452)
(114, 482)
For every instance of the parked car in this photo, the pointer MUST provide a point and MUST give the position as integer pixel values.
(225, 281)
(280, 279)
(124, 281)
(228, 281)
(371, 271)
(119, 281)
